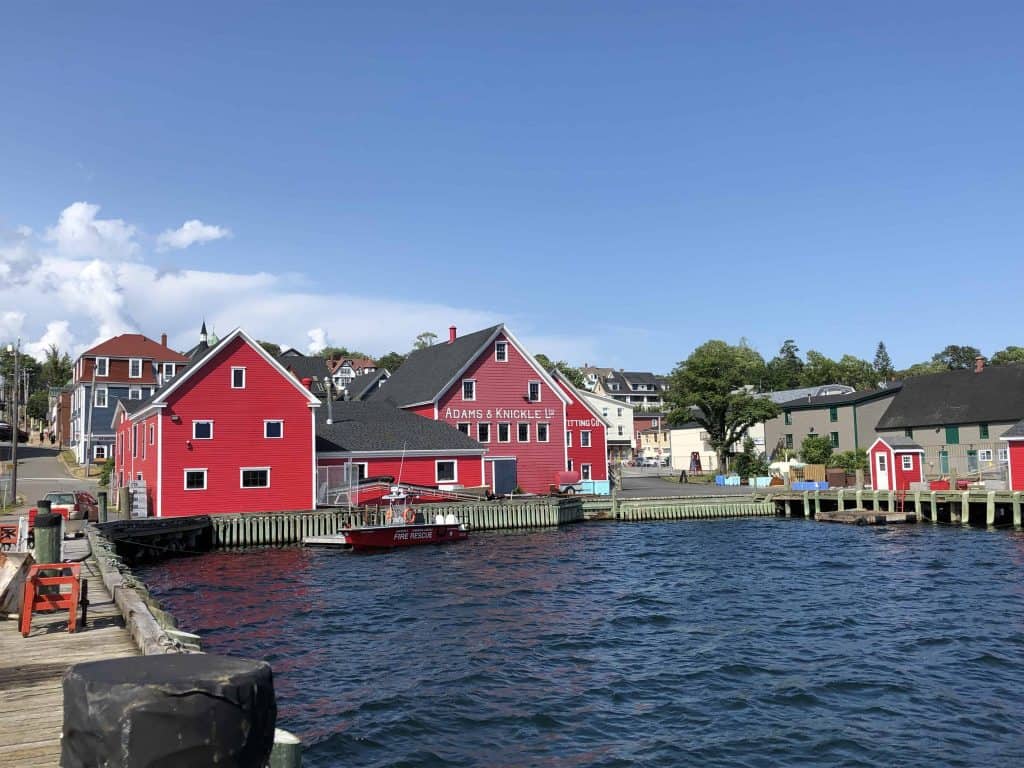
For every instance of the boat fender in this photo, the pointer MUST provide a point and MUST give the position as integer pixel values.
(410, 515)
(439, 520)
(451, 519)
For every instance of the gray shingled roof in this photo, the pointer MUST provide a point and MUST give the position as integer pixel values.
(824, 401)
(305, 366)
(426, 371)
(958, 397)
(363, 386)
(1016, 431)
(378, 426)
(901, 442)
(785, 395)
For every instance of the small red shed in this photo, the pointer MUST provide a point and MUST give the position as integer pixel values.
(1014, 438)
(895, 463)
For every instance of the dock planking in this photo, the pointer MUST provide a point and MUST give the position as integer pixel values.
(32, 669)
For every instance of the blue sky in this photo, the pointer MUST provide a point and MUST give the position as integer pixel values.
(617, 181)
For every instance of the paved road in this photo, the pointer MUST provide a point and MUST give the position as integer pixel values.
(644, 481)
(40, 472)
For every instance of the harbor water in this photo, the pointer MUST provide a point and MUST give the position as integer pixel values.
(757, 642)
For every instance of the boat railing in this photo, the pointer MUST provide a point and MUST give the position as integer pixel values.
(370, 517)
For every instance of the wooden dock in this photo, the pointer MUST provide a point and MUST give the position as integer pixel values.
(32, 668)
(865, 517)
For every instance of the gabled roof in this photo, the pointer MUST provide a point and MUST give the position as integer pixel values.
(363, 386)
(1016, 432)
(850, 398)
(605, 399)
(899, 443)
(305, 366)
(785, 395)
(380, 427)
(354, 363)
(561, 378)
(135, 345)
(958, 397)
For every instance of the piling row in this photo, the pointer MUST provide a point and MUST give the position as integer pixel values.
(249, 530)
(676, 509)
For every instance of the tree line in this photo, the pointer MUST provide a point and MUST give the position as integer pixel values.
(53, 371)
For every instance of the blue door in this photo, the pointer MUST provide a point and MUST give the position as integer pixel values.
(504, 476)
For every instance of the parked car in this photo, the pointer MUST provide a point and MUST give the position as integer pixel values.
(650, 462)
(71, 505)
(6, 431)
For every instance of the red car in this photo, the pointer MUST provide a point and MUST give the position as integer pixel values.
(71, 505)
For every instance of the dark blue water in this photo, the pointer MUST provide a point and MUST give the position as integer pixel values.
(761, 642)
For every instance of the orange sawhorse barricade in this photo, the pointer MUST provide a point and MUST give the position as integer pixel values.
(53, 599)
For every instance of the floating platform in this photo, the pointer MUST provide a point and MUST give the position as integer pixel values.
(865, 517)
(335, 540)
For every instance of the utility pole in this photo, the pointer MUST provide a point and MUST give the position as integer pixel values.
(16, 400)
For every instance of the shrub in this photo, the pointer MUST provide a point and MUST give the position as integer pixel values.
(815, 449)
(851, 461)
(105, 469)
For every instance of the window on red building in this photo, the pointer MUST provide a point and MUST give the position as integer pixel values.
(504, 435)
(483, 432)
(523, 432)
(542, 432)
(585, 439)
(468, 389)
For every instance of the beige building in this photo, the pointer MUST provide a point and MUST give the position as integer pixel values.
(690, 448)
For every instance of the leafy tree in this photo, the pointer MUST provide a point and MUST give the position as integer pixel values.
(955, 357)
(856, 373)
(851, 461)
(271, 347)
(920, 369)
(883, 363)
(750, 462)
(815, 449)
(38, 405)
(715, 378)
(56, 370)
(786, 369)
(574, 375)
(819, 369)
(424, 340)
(392, 361)
(339, 353)
(1009, 355)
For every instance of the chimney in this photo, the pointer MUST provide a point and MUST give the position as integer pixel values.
(451, 334)
(307, 382)
(979, 364)
(163, 339)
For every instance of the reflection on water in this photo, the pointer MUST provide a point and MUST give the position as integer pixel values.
(731, 642)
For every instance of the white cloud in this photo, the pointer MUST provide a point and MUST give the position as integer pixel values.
(79, 234)
(57, 332)
(191, 232)
(317, 340)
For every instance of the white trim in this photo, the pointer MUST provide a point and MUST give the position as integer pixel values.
(546, 424)
(467, 424)
(243, 470)
(106, 367)
(483, 424)
(503, 344)
(202, 421)
(163, 371)
(589, 474)
(904, 456)
(519, 432)
(184, 478)
(568, 438)
(132, 360)
(398, 452)
(462, 391)
(96, 448)
(235, 368)
(529, 392)
(588, 442)
(985, 450)
(134, 389)
(159, 465)
(273, 421)
(106, 397)
(506, 424)
(455, 467)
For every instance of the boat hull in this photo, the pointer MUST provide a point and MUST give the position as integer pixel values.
(392, 536)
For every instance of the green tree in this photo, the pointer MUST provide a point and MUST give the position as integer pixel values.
(750, 462)
(340, 353)
(1009, 355)
(815, 449)
(955, 357)
(785, 370)
(920, 369)
(856, 373)
(392, 361)
(851, 461)
(883, 363)
(56, 369)
(38, 405)
(424, 340)
(716, 379)
(819, 369)
(574, 375)
(271, 347)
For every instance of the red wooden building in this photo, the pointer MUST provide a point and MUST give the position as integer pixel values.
(232, 432)
(361, 441)
(490, 388)
(1014, 438)
(895, 463)
(586, 438)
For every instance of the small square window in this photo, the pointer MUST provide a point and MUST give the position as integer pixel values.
(195, 479)
(134, 393)
(468, 389)
(463, 427)
(533, 391)
(238, 378)
(585, 439)
(985, 454)
(908, 432)
(202, 430)
(273, 429)
(543, 432)
(504, 433)
(501, 351)
(168, 371)
(483, 432)
(1004, 454)
(99, 452)
(253, 477)
(908, 462)
(446, 471)
(135, 368)
(523, 432)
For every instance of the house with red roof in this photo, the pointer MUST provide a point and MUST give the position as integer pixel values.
(127, 367)
(234, 431)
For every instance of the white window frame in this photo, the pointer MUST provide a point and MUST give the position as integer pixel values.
(584, 438)
(472, 398)
(131, 364)
(202, 421)
(547, 431)
(907, 462)
(585, 472)
(519, 431)
(529, 391)
(234, 369)
(483, 424)
(364, 464)
(135, 441)
(96, 397)
(455, 471)
(185, 474)
(508, 431)
(134, 393)
(618, 411)
(241, 474)
(152, 434)
(165, 368)
(99, 452)
(568, 439)
(984, 454)
(468, 427)
(273, 421)
(503, 346)
(1004, 455)
(106, 367)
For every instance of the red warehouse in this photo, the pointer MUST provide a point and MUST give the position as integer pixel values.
(895, 463)
(358, 443)
(490, 388)
(585, 438)
(1014, 438)
(233, 432)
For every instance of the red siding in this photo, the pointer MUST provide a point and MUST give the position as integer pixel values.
(1016, 464)
(500, 397)
(417, 470)
(899, 479)
(579, 418)
(238, 440)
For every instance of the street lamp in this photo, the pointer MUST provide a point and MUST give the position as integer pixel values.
(15, 349)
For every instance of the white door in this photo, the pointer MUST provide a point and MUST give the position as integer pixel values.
(881, 471)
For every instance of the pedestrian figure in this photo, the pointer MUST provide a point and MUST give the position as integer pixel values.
(53, 438)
